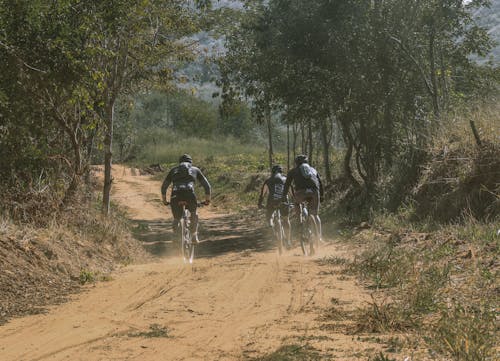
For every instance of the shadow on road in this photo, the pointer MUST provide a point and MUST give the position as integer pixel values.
(224, 234)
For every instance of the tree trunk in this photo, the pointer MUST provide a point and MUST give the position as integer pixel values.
(349, 142)
(287, 146)
(295, 133)
(310, 141)
(69, 195)
(270, 139)
(88, 160)
(476, 133)
(303, 138)
(108, 138)
(326, 150)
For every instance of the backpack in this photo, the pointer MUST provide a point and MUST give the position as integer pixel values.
(307, 171)
(184, 169)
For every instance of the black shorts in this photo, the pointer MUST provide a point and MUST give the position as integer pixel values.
(272, 205)
(308, 195)
(186, 196)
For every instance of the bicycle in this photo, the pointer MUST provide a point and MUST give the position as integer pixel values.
(186, 240)
(278, 229)
(309, 240)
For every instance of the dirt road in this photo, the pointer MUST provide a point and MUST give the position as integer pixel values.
(240, 300)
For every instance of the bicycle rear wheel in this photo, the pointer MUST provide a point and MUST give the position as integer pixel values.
(279, 236)
(187, 246)
(306, 238)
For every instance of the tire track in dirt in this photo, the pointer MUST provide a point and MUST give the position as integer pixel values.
(238, 300)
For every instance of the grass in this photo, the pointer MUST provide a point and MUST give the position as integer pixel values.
(381, 357)
(164, 146)
(383, 317)
(155, 331)
(292, 353)
(87, 276)
(437, 282)
(465, 334)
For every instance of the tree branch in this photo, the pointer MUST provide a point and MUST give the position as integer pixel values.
(12, 52)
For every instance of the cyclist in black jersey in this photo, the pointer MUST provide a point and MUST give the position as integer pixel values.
(307, 187)
(274, 187)
(183, 178)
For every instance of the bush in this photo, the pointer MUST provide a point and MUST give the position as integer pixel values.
(460, 181)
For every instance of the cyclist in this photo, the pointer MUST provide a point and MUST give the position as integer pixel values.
(274, 187)
(183, 178)
(307, 187)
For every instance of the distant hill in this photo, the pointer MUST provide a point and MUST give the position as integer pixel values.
(490, 19)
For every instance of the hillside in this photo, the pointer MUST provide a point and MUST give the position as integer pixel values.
(489, 18)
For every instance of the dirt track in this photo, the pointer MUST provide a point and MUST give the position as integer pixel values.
(239, 300)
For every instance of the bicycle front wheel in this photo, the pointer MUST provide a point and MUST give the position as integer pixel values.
(306, 238)
(187, 246)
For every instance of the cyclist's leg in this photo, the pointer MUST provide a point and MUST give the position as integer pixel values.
(299, 197)
(192, 207)
(269, 214)
(176, 210)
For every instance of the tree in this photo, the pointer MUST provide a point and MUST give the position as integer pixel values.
(68, 61)
(381, 69)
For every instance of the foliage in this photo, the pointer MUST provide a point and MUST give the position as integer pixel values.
(384, 71)
(153, 120)
(87, 276)
(65, 64)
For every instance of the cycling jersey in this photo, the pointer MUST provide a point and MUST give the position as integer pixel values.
(183, 178)
(276, 185)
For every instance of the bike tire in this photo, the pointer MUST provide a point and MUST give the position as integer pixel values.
(315, 236)
(279, 236)
(305, 238)
(187, 246)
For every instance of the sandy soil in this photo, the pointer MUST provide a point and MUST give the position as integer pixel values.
(238, 301)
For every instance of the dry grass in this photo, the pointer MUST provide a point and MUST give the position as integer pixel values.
(462, 177)
(292, 353)
(465, 334)
(441, 286)
(43, 263)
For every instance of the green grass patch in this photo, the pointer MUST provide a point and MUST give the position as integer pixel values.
(88, 276)
(155, 331)
(165, 146)
(292, 353)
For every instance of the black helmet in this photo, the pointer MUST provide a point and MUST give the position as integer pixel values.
(302, 158)
(277, 169)
(185, 158)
